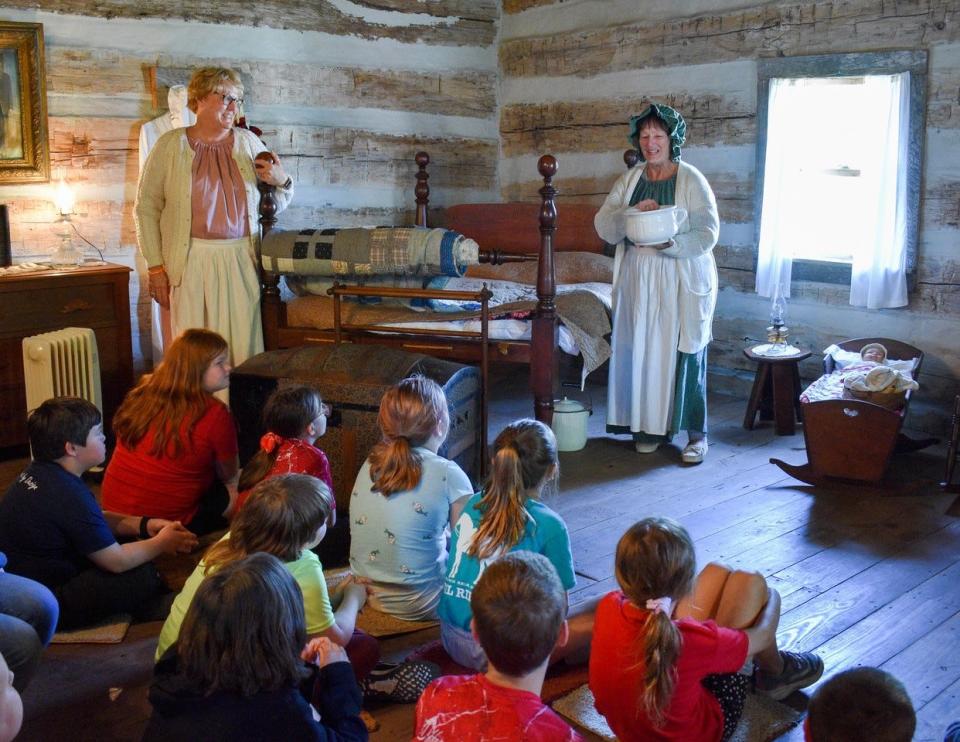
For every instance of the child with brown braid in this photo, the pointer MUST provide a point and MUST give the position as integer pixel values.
(667, 650)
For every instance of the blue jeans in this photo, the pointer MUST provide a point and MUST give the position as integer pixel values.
(28, 617)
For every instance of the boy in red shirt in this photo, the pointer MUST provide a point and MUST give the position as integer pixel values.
(519, 615)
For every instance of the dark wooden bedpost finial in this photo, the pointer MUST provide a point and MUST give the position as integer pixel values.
(270, 304)
(422, 190)
(544, 339)
(631, 157)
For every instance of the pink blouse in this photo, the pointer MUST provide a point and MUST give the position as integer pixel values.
(218, 200)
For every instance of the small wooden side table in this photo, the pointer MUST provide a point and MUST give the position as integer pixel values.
(776, 391)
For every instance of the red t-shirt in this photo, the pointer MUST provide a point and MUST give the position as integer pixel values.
(469, 708)
(138, 483)
(616, 670)
(297, 457)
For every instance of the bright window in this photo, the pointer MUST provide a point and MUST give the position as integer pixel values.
(838, 173)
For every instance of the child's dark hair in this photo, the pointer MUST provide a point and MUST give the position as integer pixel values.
(287, 413)
(518, 605)
(655, 559)
(281, 517)
(861, 705)
(244, 629)
(524, 453)
(59, 421)
(410, 414)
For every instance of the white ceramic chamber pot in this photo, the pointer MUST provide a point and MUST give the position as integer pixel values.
(570, 424)
(654, 227)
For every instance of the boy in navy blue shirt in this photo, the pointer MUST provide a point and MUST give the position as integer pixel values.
(53, 531)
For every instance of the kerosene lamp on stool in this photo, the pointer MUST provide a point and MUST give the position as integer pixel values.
(777, 331)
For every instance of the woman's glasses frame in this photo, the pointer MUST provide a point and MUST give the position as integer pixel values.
(228, 99)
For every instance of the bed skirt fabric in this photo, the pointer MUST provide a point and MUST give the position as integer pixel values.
(365, 251)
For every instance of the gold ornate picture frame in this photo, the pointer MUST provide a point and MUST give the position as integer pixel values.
(24, 146)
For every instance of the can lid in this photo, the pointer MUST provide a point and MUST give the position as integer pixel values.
(568, 405)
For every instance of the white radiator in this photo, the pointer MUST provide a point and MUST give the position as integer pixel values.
(63, 363)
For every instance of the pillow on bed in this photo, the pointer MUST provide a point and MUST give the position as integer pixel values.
(570, 267)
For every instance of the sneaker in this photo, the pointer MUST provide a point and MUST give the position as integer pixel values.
(642, 447)
(800, 669)
(400, 683)
(694, 451)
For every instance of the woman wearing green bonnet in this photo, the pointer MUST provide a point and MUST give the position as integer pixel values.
(664, 295)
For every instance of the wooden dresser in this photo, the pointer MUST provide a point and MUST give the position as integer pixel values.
(94, 296)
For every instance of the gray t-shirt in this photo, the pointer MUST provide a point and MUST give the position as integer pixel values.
(399, 542)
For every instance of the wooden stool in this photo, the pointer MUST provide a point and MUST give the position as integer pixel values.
(776, 391)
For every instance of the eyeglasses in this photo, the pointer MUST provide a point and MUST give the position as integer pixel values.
(228, 99)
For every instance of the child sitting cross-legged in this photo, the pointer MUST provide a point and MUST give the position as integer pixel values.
(864, 704)
(507, 516)
(237, 670)
(404, 499)
(295, 417)
(287, 516)
(664, 673)
(53, 531)
(519, 611)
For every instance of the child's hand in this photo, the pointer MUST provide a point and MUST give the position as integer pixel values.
(175, 538)
(322, 652)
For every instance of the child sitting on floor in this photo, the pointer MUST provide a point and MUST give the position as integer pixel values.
(509, 516)
(237, 670)
(53, 531)
(176, 454)
(403, 500)
(519, 608)
(295, 417)
(662, 674)
(860, 705)
(287, 516)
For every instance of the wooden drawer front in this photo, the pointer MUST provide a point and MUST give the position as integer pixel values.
(30, 312)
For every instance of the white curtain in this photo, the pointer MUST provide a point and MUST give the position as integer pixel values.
(879, 250)
(779, 182)
(879, 277)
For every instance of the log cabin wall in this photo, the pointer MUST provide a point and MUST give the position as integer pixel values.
(573, 72)
(346, 92)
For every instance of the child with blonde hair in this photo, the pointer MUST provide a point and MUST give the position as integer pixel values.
(294, 417)
(404, 499)
(667, 650)
(176, 454)
(509, 516)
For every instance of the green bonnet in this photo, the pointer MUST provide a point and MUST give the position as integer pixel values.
(676, 127)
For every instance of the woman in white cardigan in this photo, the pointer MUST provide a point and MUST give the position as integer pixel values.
(196, 215)
(664, 295)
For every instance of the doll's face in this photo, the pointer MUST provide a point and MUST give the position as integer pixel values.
(873, 354)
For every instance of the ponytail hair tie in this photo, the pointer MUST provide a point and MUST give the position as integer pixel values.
(661, 605)
(269, 442)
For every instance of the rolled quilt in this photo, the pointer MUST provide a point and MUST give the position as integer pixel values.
(366, 251)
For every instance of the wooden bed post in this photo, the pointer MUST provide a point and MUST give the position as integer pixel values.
(271, 307)
(422, 191)
(544, 333)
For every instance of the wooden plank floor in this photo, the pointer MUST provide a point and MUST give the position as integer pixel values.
(866, 578)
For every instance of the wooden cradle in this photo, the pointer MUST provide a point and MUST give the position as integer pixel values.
(505, 232)
(851, 440)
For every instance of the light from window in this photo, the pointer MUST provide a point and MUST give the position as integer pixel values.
(827, 143)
